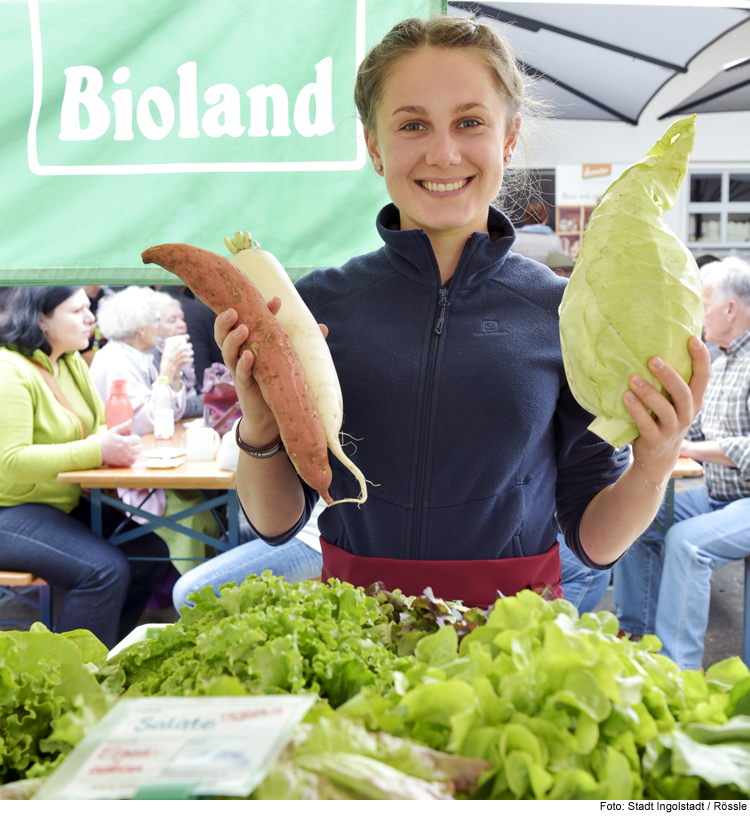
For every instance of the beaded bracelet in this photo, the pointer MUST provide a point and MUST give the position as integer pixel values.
(254, 452)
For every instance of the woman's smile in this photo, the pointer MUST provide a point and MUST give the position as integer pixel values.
(444, 187)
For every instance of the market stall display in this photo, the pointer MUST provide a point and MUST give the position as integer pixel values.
(553, 705)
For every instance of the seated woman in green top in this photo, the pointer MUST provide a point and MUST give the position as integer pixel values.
(44, 524)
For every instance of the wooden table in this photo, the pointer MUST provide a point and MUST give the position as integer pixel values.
(192, 474)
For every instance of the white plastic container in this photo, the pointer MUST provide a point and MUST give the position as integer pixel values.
(163, 411)
(142, 633)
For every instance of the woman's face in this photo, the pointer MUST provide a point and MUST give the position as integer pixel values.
(171, 321)
(69, 326)
(150, 338)
(441, 136)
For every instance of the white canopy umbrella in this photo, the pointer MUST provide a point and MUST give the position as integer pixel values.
(604, 61)
(729, 91)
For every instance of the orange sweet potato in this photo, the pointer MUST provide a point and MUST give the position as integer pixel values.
(277, 368)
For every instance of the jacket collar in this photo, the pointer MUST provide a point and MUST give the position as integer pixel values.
(411, 254)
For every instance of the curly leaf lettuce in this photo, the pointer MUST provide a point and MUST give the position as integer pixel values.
(561, 708)
(49, 696)
(635, 291)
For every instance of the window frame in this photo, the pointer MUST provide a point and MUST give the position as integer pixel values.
(723, 207)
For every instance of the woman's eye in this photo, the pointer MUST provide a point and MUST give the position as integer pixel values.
(468, 122)
(413, 127)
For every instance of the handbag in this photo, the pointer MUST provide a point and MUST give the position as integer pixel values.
(220, 406)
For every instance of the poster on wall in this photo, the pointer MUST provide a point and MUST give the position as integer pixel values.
(578, 188)
(132, 123)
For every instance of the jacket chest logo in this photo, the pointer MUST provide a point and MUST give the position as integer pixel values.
(490, 326)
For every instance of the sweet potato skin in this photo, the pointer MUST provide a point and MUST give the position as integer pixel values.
(277, 368)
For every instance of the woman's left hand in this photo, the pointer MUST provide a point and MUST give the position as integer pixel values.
(657, 448)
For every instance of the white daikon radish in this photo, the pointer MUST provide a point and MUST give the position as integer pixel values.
(266, 272)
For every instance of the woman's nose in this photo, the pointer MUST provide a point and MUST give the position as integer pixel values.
(443, 150)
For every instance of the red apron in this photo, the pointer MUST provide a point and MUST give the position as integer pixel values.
(475, 583)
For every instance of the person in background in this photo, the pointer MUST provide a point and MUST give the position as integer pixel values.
(713, 349)
(296, 560)
(706, 258)
(129, 319)
(51, 421)
(96, 341)
(5, 293)
(561, 264)
(670, 595)
(582, 585)
(447, 349)
(172, 323)
(200, 325)
(534, 238)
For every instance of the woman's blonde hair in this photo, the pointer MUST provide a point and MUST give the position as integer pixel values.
(440, 32)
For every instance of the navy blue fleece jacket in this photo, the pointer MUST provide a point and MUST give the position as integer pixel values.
(455, 403)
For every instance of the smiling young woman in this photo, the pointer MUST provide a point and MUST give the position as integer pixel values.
(447, 349)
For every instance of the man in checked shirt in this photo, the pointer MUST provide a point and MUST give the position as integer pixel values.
(670, 597)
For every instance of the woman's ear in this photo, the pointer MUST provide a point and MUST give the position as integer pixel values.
(511, 138)
(373, 151)
(42, 323)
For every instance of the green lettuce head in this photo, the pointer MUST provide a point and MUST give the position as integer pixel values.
(635, 291)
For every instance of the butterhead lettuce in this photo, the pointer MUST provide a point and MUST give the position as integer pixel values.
(635, 291)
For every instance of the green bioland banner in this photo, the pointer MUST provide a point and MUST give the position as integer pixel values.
(129, 123)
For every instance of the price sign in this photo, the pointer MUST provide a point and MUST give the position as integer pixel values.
(218, 745)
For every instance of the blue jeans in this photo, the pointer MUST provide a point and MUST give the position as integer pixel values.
(106, 593)
(671, 597)
(582, 586)
(295, 560)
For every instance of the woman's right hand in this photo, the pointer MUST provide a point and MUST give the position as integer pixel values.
(177, 354)
(258, 427)
(118, 446)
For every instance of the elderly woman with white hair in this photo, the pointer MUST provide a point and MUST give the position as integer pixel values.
(129, 320)
(171, 324)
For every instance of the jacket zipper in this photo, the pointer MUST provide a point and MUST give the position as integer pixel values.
(426, 411)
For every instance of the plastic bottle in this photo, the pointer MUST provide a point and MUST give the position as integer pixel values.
(118, 407)
(163, 411)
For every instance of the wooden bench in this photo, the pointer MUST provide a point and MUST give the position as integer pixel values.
(18, 586)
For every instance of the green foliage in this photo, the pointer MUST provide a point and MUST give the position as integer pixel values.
(419, 698)
(562, 708)
(50, 696)
(271, 637)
